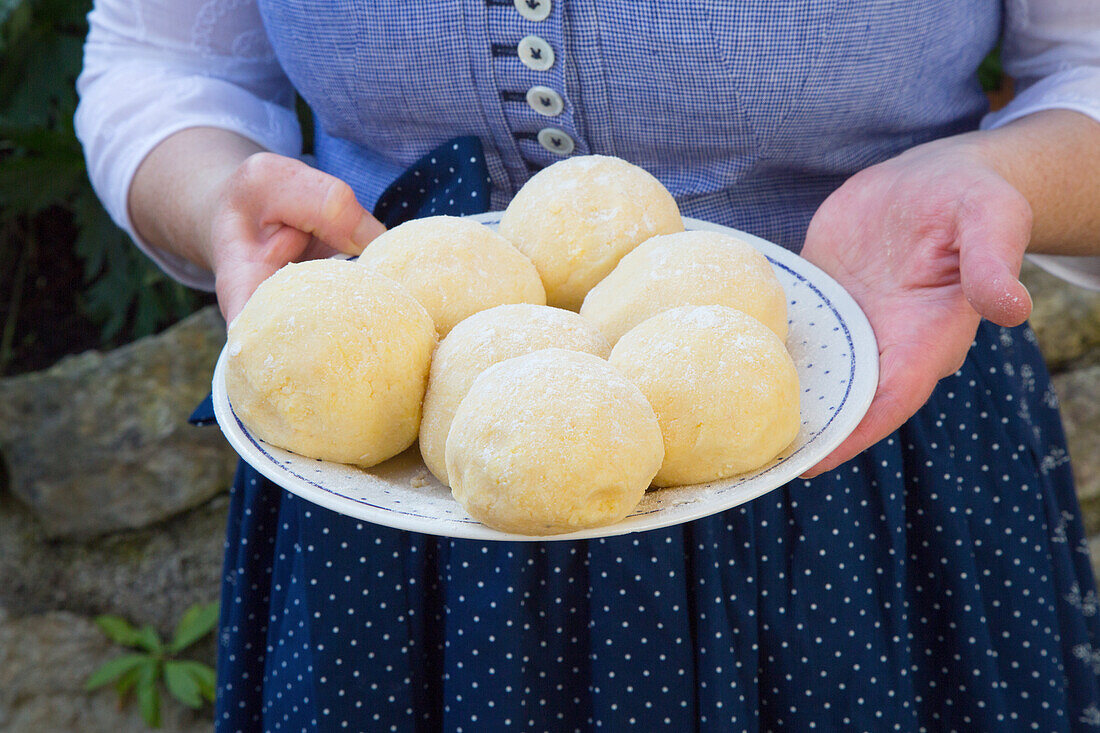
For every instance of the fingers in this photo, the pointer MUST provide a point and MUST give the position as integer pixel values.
(902, 390)
(277, 210)
(286, 192)
(237, 278)
(924, 295)
(992, 237)
(233, 294)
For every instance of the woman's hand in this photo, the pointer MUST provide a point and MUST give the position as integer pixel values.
(217, 199)
(928, 243)
(273, 210)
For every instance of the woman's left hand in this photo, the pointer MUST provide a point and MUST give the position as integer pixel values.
(928, 243)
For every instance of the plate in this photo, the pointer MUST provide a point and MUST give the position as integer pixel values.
(833, 348)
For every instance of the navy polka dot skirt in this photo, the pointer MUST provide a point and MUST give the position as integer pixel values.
(939, 581)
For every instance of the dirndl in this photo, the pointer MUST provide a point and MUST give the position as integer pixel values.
(938, 581)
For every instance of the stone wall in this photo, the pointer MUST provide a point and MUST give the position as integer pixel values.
(1067, 321)
(111, 503)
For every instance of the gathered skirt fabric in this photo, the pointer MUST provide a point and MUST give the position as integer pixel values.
(938, 581)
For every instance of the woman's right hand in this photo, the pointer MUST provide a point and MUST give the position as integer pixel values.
(272, 210)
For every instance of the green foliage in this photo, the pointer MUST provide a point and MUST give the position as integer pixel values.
(196, 623)
(991, 72)
(140, 673)
(42, 171)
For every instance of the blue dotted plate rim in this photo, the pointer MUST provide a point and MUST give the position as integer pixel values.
(291, 472)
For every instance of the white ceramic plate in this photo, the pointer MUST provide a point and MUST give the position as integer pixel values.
(830, 341)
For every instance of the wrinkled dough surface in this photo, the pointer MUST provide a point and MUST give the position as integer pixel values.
(551, 442)
(577, 218)
(482, 340)
(330, 360)
(723, 386)
(455, 267)
(688, 268)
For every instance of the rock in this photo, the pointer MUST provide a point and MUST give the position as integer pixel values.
(150, 576)
(1078, 393)
(1066, 318)
(44, 662)
(100, 441)
(1094, 556)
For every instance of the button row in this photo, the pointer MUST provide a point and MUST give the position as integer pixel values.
(538, 55)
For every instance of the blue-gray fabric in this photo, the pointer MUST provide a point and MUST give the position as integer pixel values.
(750, 112)
(939, 581)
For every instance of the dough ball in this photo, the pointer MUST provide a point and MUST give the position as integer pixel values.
(482, 340)
(553, 441)
(723, 386)
(455, 267)
(330, 360)
(576, 219)
(688, 268)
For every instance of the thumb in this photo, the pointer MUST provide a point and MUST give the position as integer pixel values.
(233, 292)
(275, 192)
(235, 280)
(902, 389)
(323, 206)
(991, 239)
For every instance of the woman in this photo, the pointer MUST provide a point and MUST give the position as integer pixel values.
(931, 575)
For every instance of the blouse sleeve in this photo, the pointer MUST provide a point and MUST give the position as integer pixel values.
(155, 67)
(1051, 48)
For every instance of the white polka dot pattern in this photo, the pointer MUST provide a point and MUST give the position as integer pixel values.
(939, 581)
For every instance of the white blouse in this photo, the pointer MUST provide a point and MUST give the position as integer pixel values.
(155, 67)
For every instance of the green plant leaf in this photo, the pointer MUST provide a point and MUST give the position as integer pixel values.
(126, 682)
(33, 138)
(148, 695)
(990, 71)
(30, 184)
(182, 685)
(150, 308)
(203, 675)
(109, 297)
(15, 18)
(97, 232)
(148, 640)
(39, 77)
(117, 629)
(114, 669)
(7, 7)
(198, 621)
(125, 293)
